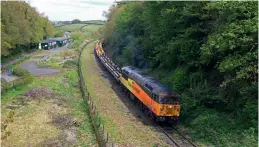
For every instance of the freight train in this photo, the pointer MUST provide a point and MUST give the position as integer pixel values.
(158, 100)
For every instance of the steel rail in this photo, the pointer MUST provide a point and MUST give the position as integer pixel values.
(169, 136)
(181, 134)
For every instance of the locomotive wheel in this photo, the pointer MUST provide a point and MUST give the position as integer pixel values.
(175, 122)
(151, 115)
(132, 97)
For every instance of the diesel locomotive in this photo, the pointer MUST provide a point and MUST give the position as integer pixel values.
(160, 101)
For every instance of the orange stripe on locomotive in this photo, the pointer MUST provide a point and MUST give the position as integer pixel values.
(156, 108)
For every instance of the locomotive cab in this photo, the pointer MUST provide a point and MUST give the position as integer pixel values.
(169, 106)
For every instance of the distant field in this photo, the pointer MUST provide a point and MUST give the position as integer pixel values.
(69, 27)
(92, 31)
(94, 22)
(91, 28)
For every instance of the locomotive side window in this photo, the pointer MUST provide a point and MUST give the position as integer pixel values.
(124, 75)
(155, 97)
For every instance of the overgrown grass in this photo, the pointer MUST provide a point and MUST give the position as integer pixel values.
(52, 61)
(57, 60)
(24, 77)
(11, 94)
(34, 118)
(22, 60)
(18, 63)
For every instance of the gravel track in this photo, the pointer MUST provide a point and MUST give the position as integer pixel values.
(31, 66)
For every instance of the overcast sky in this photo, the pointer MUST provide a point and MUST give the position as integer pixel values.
(72, 9)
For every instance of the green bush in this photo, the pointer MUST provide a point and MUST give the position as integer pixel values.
(25, 77)
(5, 86)
(20, 72)
(75, 44)
(58, 33)
(179, 79)
(70, 64)
(67, 53)
(219, 128)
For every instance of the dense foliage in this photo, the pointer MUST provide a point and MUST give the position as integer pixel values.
(207, 51)
(22, 27)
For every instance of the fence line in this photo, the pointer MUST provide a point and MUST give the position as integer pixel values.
(102, 137)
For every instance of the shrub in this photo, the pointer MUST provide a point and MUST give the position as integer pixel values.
(20, 71)
(179, 79)
(75, 44)
(67, 53)
(5, 86)
(3, 80)
(70, 64)
(25, 77)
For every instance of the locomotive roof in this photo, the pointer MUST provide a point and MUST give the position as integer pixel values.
(145, 80)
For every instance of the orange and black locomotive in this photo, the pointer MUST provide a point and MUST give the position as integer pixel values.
(160, 101)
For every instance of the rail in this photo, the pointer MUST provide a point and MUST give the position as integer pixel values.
(169, 136)
(179, 133)
(184, 137)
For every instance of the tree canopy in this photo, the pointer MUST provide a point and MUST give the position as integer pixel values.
(22, 25)
(76, 21)
(207, 51)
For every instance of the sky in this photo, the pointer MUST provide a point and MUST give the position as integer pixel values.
(61, 10)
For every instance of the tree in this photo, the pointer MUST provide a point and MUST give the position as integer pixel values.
(25, 27)
(76, 21)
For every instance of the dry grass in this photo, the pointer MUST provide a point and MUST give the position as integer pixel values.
(123, 127)
(68, 53)
(31, 125)
(50, 112)
(58, 60)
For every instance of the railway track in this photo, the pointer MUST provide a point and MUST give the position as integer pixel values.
(168, 132)
(115, 71)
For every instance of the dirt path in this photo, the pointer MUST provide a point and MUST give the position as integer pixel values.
(31, 66)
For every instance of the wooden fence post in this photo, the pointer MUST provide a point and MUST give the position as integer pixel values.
(107, 140)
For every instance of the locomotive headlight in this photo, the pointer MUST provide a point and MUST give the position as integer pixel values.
(170, 107)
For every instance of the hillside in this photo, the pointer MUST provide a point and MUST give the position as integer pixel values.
(206, 51)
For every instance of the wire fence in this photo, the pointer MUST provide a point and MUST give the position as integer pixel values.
(102, 136)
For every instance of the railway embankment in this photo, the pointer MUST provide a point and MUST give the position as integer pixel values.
(123, 126)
